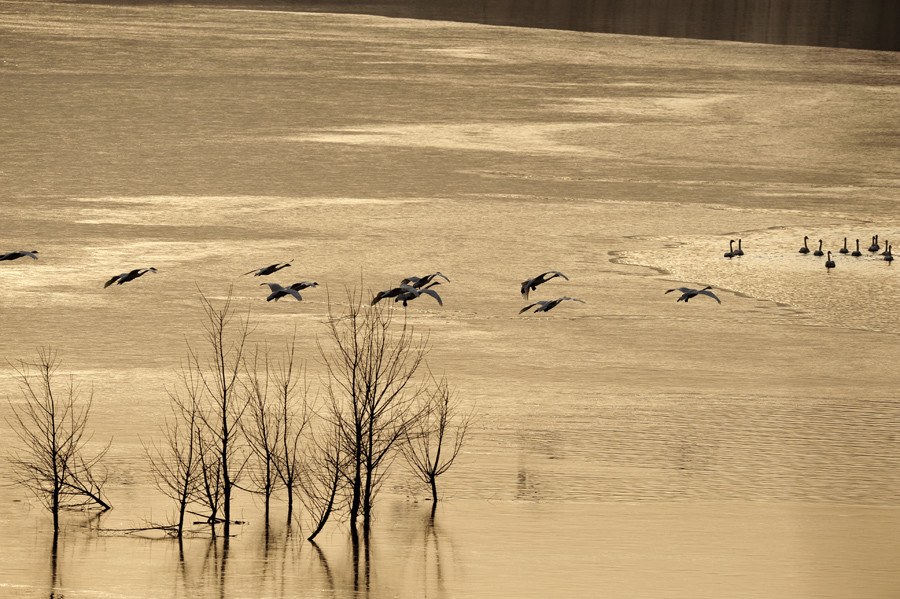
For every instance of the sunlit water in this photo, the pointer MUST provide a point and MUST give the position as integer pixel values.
(628, 446)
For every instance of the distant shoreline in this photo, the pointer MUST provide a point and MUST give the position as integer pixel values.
(860, 24)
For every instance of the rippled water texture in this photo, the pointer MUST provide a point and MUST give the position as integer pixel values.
(629, 446)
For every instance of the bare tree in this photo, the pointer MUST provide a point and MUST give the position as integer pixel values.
(176, 463)
(324, 476)
(262, 428)
(223, 403)
(435, 440)
(294, 408)
(51, 426)
(372, 389)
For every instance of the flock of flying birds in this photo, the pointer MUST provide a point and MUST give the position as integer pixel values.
(412, 288)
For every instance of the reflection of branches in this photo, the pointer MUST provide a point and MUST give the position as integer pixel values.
(435, 440)
(51, 428)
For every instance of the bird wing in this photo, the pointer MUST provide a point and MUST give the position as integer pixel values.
(710, 294)
(528, 307)
(543, 278)
(295, 293)
(433, 294)
(112, 280)
(681, 289)
(273, 286)
(442, 275)
(574, 299)
(410, 280)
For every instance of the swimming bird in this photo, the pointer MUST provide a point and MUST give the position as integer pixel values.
(829, 263)
(887, 248)
(419, 282)
(267, 270)
(532, 283)
(687, 293)
(739, 251)
(874, 247)
(819, 251)
(547, 305)
(128, 276)
(856, 252)
(844, 249)
(19, 254)
(730, 251)
(410, 293)
(279, 292)
(804, 249)
(889, 257)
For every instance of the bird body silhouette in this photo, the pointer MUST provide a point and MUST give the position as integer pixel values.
(888, 257)
(739, 251)
(278, 292)
(532, 283)
(730, 251)
(128, 276)
(874, 247)
(408, 293)
(829, 263)
(687, 293)
(819, 251)
(267, 270)
(856, 252)
(844, 249)
(19, 254)
(547, 305)
(804, 249)
(419, 282)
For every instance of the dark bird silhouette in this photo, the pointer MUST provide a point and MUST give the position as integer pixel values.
(874, 247)
(532, 283)
(278, 292)
(687, 293)
(267, 270)
(844, 249)
(394, 292)
(730, 251)
(829, 263)
(819, 251)
(128, 276)
(856, 252)
(19, 254)
(739, 251)
(419, 282)
(547, 305)
(410, 293)
(887, 248)
(804, 249)
(889, 257)
(304, 285)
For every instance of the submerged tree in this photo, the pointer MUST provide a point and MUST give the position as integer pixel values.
(52, 424)
(372, 388)
(435, 441)
(222, 401)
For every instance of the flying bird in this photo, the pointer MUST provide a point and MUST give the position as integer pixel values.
(410, 293)
(687, 293)
(279, 292)
(547, 305)
(304, 285)
(128, 276)
(19, 254)
(532, 283)
(267, 270)
(388, 293)
(419, 282)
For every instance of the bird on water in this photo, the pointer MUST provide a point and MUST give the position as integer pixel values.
(687, 293)
(532, 283)
(547, 305)
(128, 276)
(889, 257)
(844, 249)
(856, 252)
(739, 251)
(874, 247)
(804, 249)
(19, 254)
(730, 253)
(819, 251)
(829, 263)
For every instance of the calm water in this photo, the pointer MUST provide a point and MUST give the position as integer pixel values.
(629, 446)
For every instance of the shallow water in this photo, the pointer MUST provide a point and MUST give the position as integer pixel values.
(630, 444)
